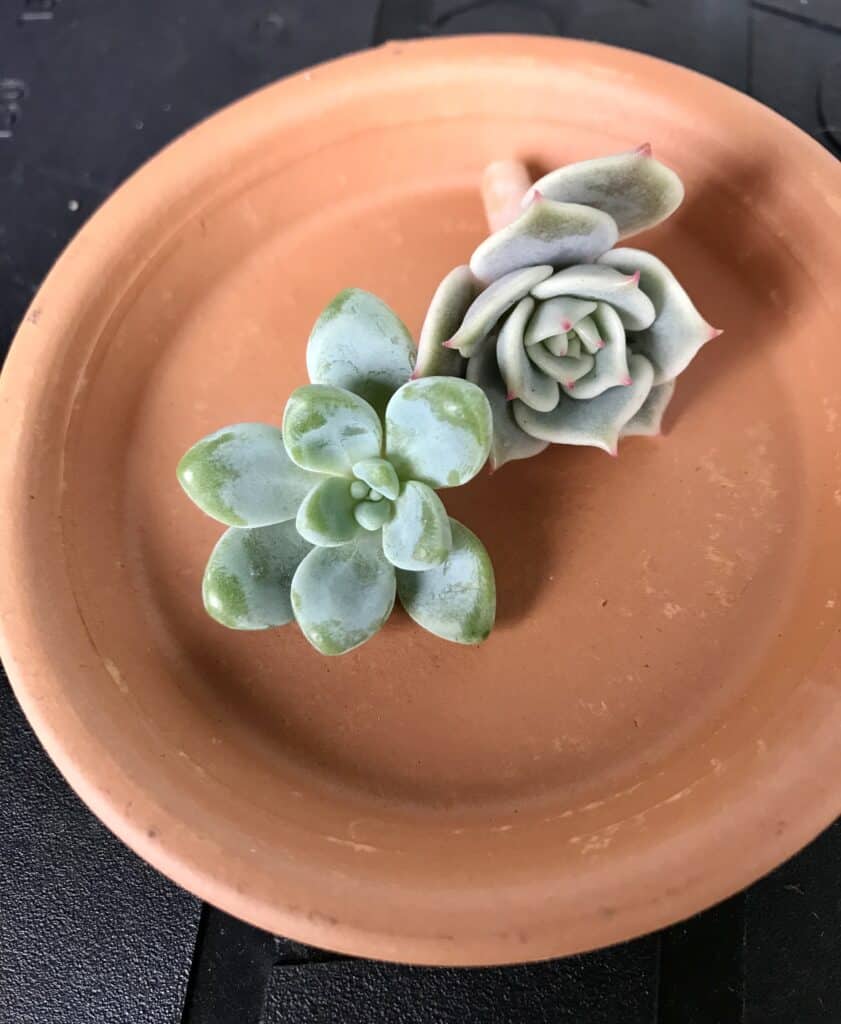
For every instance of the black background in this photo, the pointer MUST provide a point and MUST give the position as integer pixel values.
(88, 90)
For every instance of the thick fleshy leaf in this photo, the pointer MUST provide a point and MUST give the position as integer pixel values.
(438, 431)
(509, 441)
(679, 330)
(604, 285)
(522, 378)
(326, 517)
(560, 345)
(597, 422)
(328, 429)
(418, 535)
(489, 305)
(372, 515)
(358, 343)
(610, 363)
(457, 600)
(648, 421)
(636, 190)
(588, 333)
(378, 474)
(342, 596)
(565, 370)
(450, 302)
(560, 234)
(249, 575)
(556, 317)
(242, 476)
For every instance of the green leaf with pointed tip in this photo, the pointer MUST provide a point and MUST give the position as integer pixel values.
(522, 378)
(358, 343)
(636, 190)
(597, 422)
(446, 311)
(562, 345)
(679, 331)
(326, 517)
(556, 317)
(379, 474)
(438, 431)
(564, 370)
(648, 421)
(342, 596)
(456, 600)
(560, 234)
(603, 284)
(489, 305)
(248, 577)
(418, 535)
(509, 441)
(610, 363)
(588, 333)
(328, 429)
(242, 476)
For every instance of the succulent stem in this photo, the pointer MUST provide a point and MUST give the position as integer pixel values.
(504, 183)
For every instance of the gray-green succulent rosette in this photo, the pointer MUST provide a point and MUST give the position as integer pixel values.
(572, 340)
(335, 513)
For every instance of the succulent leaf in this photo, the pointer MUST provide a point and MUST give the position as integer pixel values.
(248, 577)
(326, 516)
(358, 343)
(489, 305)
(456, 600)
(418, 535)
(603, 284)
(378, 474)
(597, 422)
(446, 311)
(636, 190)
(372, 515)
(563, 370)
(648, 420)
(561, 234)
(342, 596)
(509, 441)
(328, 429)
(242, 476)
(610, 363)
(556, 317)
(521, 378)
(438, 431)
(673, 340)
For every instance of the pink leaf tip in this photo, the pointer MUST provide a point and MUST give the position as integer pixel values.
(510, 396)
(448, 343)
(566, 325)
(643, 150)
(535, 196)
(715, 332)
(634, 278)
(570, 384)
(627, 381)
(600, 343)
(613, 452)
(414, 374)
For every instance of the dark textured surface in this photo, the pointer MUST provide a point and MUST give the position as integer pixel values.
(618, 985)
(88, 90)
(87, 932)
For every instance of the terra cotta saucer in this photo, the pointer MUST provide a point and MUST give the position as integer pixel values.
(656, 719)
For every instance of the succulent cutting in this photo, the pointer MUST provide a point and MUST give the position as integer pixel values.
(336, 512)
(573, 341)
(561, 337)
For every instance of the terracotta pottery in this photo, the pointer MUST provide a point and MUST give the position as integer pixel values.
(656, 719)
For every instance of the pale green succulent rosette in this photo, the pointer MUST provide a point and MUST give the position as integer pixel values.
(572, 341)
(336, 512)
